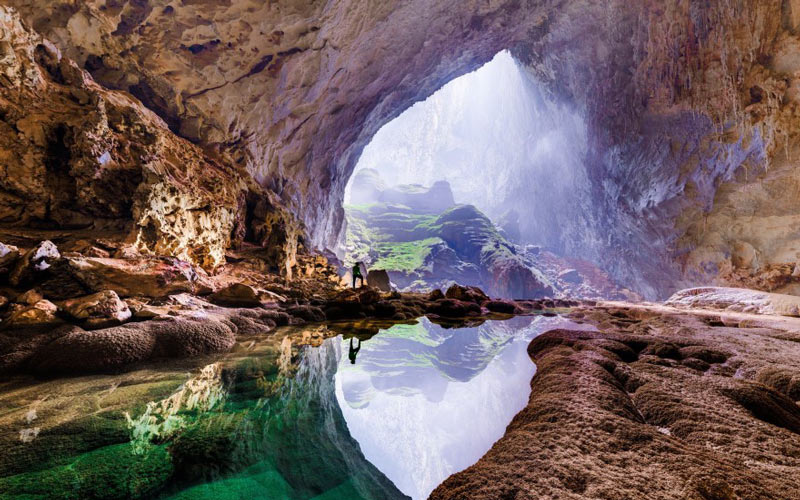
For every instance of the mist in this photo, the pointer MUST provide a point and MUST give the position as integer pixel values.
(500, 141)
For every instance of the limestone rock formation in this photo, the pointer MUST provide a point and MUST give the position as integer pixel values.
(98, 310)
(689, 109)
(737, 299)
(76, 276)
(657, 404)
(379, 278)
(35, 261)
(242, 295)
(76, 155)
(423, 245)
(41, 312)
(471, 234)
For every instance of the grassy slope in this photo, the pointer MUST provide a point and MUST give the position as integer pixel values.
(395, 238)
(389, 237)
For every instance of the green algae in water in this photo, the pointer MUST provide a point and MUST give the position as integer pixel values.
(259, 424)
(112, 472)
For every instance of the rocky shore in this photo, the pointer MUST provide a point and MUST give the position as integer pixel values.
(70, 312)
(659, 403)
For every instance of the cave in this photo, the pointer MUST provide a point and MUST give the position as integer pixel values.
(578, 224)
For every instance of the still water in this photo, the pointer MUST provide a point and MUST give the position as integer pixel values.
(340, 411)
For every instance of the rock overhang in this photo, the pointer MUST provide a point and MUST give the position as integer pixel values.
(292, 93)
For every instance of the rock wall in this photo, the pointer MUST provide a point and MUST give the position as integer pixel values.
(680, 98)
(291, 90)
(75, 155)
(683, 102)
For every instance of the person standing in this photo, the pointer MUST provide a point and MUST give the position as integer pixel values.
(357, 274)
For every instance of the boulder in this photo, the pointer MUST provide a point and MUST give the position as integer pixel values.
(184, 337)
(466, 294)
(379, 279)
(351, 303)
(502, 306)
(35, 261)
(367, 296)
(8, 257)
(736, 299)
(42, 312)
(99, 310)
(512, 279)
(29, 298)
(257, 321)
(744, 255)
(237, 295)
(571, 276)
(308, 313)
(143, 311)
(435, 294)
(385, 309)
(81, 351)
(242, 295)
(146, 277)
(453, 308)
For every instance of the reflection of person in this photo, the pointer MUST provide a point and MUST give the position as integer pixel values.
(357, 274)
(354, 351)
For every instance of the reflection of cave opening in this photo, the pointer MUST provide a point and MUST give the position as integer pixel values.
(501, 143)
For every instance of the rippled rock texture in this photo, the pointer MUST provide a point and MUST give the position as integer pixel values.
(689, 110)
(659, 404)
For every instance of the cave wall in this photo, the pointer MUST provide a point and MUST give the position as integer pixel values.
(684, 100)
(74, 155)
(680, 98)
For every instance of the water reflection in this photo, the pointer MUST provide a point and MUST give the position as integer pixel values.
(341, 411)
(259, 423)
(354, 350)
(425, 402)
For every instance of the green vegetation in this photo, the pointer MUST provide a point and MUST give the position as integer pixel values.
(390, 237)
(395, 238)
(406, 256)
(398, 238)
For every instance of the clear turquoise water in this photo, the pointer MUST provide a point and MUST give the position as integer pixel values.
(287, 415)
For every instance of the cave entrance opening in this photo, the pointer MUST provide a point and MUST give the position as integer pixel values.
(479, 184)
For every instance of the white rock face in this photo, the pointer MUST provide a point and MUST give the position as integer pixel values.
(737, 299)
